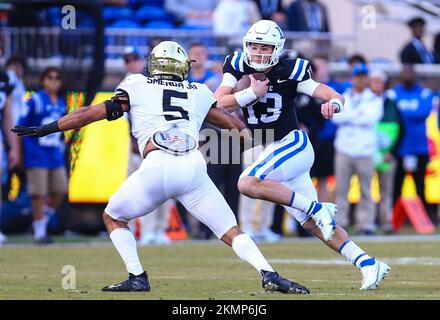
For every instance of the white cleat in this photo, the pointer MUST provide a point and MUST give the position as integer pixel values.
(374, 274)
(325, 219)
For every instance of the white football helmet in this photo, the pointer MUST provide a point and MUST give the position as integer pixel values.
(264, 32)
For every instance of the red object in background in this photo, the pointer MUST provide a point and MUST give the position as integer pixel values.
(176, 228)
(413, 209)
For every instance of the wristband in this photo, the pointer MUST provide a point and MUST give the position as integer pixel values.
(48, 129)
(338, 103)
(245, 97)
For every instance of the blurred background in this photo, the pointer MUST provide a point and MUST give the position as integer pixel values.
(57, 56)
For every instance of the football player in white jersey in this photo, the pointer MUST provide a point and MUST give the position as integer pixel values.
(281, 173)
(167, 112)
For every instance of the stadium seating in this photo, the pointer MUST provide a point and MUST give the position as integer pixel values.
(152, 13)
(125, 24)
(159, 25)
(112, 14)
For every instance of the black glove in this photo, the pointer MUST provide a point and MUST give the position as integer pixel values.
(26, 131)
(41, 131)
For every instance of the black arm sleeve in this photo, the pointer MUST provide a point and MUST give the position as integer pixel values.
(113, 106)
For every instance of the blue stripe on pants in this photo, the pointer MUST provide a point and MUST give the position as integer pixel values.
(275, 153)
(286, 157)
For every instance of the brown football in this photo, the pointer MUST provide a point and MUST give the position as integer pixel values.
(245, 82)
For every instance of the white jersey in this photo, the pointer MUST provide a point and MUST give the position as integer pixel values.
(156, 105)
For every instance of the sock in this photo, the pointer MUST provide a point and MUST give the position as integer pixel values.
(125, 243)
(40, 227)
(49, 211)
(298, 201)
(248, 251)
(355, 255)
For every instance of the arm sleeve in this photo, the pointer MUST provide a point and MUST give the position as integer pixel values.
(308, 86)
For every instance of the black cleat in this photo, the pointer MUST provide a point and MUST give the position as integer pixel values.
(273, 282)
(133, 283)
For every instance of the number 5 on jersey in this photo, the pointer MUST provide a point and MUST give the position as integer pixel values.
(173, 112)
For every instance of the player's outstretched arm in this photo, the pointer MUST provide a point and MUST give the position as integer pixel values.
(226, 99)
(334, 101)
(223, 119)
(77, 119)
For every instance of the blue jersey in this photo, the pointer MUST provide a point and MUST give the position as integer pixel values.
(275, 111)
(415, 105)
(48, 151)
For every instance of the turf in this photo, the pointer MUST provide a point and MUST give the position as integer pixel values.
(212, 271)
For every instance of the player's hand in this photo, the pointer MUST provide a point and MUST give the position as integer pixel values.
(328, 109)
(25, 131)
(259, 87)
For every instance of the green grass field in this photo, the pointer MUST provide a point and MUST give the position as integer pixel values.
(210, 270)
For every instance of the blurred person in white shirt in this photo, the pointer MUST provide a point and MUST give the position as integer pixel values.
(356, 145)
(233, 18)
(15, 68)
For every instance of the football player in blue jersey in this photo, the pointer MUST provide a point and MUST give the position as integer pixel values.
(281, 172)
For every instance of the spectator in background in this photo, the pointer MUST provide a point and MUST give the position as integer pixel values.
(355, 145)
(44, 157)
(390, 133)
(16, 67)
(415, 51)
(198, 54)
(437, 48)
(272, 10)
(153, 226)
(234, 17)
(192, 13)
(353, 60)
(324, 148)
(307, 15)
(415, 104)
(6, 139)
(133, 62)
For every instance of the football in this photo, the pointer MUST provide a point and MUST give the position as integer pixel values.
(245, 81)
